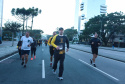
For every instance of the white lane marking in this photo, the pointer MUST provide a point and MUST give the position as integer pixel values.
(42, 49)
(43, 69)
(8, 57)
(99, 70)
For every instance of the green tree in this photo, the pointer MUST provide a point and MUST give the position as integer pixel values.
(34, 12)
(21, 14)
(36, 33)
(57, 30)
(70, 33)
(111, 23)
(48, 36)
(12, 27)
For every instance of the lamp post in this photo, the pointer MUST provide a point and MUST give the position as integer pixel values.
(79, 23)
(103, 10)
(1, 20)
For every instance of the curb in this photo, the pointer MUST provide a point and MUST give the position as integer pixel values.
(112, 50)
(99, 55)
(5, 56)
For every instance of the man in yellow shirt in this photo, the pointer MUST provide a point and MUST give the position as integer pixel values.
(58, 42)
(51, 48)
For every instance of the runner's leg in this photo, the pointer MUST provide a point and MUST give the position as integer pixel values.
(61, 67)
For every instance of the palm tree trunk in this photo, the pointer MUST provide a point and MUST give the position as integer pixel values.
(23, 25)
(32, 23)
(26, 24)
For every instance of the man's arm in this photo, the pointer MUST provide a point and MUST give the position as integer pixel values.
(90, 42)
(67, 42)
(49, 41)
(99, 42)
(53, 42)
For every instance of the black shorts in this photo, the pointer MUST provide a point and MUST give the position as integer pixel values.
(23, 52)
(51, 51)
(95, 51)
(33, 50)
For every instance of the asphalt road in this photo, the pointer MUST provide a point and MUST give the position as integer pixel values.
(76, 71)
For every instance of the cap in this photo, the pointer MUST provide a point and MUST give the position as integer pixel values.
(61, 28)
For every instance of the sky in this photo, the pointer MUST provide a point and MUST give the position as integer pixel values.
(55, 13)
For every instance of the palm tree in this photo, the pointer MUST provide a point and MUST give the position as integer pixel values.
(21, 14)
(34, 12)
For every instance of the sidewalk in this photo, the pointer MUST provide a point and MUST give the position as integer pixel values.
(107, 52)
(6, 49)
(109, 48)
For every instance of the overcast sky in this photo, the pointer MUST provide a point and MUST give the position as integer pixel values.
(55, 13)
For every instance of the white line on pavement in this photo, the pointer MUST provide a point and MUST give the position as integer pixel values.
(99, 70)
(8, 57)
(43, 69)
(42, 49)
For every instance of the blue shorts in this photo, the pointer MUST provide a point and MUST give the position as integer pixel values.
(23, 52)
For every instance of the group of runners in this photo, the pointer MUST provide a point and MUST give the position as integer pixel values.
(56, 48)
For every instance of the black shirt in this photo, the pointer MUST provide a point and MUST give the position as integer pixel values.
(19, 44)
(60, 41)
(96, 41)
(33, 45)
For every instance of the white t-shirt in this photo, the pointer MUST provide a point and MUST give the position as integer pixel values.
(25, 42)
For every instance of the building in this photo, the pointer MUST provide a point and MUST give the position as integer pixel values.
(91, 8)
(1, 18)
(76, 20)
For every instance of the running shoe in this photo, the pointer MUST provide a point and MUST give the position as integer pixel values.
(31, 58)
(22, 63)
(34, 57)
(90, 61)
(94, 65)
(54, 72)
(24, 66)
(60, 78)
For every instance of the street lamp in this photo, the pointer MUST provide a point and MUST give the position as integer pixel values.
(82, 16)
(82, 6)
(79, 22)
(1, 19)
(103, 10)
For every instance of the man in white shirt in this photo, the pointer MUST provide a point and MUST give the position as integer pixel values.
(25, 48)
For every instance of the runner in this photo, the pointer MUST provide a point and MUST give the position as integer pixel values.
(58, 42)
(41, 42)
(51, 48)
(19, 47)
(95, 43)
(33, 49)
(46, 42)
(25, 48)
(38, 42)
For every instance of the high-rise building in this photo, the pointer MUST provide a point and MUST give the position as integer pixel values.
(91, 8)
(76, 20)
(1, 18)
